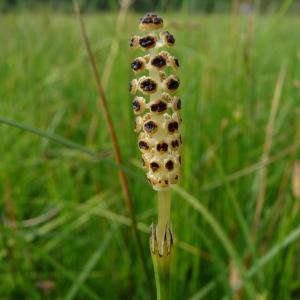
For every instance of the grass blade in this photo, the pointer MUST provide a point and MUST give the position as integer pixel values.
(204, 291)
(53, 137)
(293, 236)
(89, 266)
(65, 272)
(266, 150)
(271, 254)
(228, 246)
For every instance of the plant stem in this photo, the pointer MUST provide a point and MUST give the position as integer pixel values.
(162, 276)
(162, 241)
(164, 211)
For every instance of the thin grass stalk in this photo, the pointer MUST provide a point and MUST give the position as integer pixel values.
(110, 61)
(252, 168)
(234, 16)
(293, 165)
(296, 180)
(113, 136)
(222, 236)
(292, 237)
(55, 138)
(267, 149)
(115, 45)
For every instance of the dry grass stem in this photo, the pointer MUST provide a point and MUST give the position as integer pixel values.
(267, 149)
(234, 16)
(235, 280)
(114, 49)
(296, 179)
(116, 150)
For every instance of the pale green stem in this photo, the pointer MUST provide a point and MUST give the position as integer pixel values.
(162, 276)
(164, 211)
(162, 258)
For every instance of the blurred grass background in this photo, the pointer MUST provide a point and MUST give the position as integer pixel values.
(64, 227)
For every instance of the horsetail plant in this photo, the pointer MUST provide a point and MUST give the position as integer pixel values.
(157, 122)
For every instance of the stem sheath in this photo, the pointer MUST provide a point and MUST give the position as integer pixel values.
(161, 253)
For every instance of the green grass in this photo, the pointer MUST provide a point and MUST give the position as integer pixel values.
(57, 167)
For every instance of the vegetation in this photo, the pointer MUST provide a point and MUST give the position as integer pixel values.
(207, 6)
(64, 226)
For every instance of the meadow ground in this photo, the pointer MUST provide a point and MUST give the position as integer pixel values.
(64, 227)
